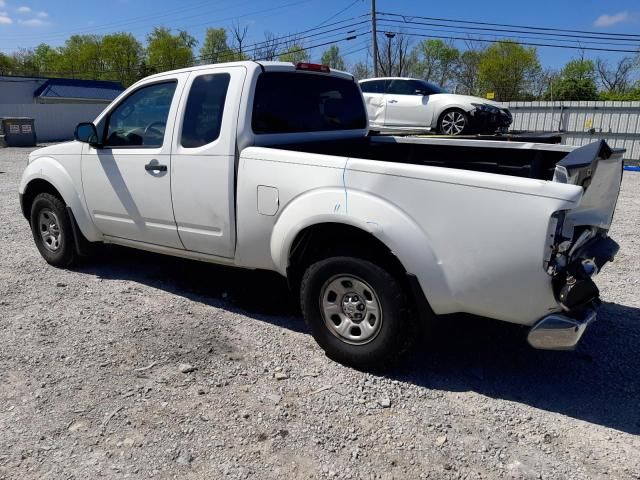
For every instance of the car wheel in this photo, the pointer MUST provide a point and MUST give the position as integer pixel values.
(51, 228)
(453, 122)
(356, 311)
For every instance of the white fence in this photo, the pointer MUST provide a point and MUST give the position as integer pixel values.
(53, 122)
(583, 122)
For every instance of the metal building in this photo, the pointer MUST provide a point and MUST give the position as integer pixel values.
(29, 90)
(56, 105)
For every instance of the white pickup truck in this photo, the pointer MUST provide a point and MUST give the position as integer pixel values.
(269, 166)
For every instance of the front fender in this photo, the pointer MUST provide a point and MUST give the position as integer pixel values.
(372, 214)
(51, 171)
(443, 107)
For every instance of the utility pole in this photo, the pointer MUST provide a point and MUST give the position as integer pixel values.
(374, 38)
(390, 36)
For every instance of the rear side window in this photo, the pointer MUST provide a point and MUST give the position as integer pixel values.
(205, 105)
(287, 102)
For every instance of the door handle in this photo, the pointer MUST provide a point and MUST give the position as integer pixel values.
(393, 101)
(155, 167)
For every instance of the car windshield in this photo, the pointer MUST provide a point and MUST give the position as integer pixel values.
(431, 88)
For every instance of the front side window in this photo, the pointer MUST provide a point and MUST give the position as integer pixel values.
(140, 120)
(205, 105)
(287, 102)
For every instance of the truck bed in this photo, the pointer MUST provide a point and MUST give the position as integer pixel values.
(507, 158)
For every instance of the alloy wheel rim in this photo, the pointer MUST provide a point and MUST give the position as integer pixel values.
(351, 309)
(49, 228)
(453, 123)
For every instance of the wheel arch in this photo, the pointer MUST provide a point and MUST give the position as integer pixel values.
(371, 224)
(45, 175)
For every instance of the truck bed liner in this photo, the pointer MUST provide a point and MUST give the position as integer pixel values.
(529, 162)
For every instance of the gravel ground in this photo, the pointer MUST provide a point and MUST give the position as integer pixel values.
(134, 365)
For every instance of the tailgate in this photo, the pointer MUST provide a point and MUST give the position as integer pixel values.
(598, 169)
(582, 246)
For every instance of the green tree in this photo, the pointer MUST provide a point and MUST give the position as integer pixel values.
(617, 80)
(47, 59)
(437, 61)
(81, 57)
(166, 51)
(577, 81)
(467, 79)
(215, 48)
(7, 64)
(631, 94)
(331, 57)
(508, 69)
(294, 53)
(361, 71)
(121, 54)
(24, 62)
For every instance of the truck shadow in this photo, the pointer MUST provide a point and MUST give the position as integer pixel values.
(598, 383)
(258, 294)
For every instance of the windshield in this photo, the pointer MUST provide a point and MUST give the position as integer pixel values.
(288, 102)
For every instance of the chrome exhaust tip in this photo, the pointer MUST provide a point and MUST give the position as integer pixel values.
(559, 332)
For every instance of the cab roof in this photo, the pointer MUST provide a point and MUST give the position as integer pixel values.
(250, 65)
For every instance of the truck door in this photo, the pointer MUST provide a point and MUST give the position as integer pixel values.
(405, 107)
(126, 182)
(203, 160)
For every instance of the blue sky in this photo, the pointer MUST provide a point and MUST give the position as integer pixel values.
(25, 23)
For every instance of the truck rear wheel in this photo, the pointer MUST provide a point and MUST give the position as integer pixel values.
(356, 310)
(52, 231)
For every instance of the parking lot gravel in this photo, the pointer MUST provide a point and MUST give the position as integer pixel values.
(134, 365)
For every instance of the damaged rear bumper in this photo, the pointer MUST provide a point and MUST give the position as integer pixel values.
(559, 331)
(577, 295)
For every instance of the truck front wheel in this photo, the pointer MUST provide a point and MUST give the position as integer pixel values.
(51, 228)
(356, 311)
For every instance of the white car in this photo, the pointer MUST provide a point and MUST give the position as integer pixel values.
(397, 104)
(269, 166)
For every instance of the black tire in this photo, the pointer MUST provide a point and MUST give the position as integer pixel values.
(393, 335)
(54, 210)
(459, 114)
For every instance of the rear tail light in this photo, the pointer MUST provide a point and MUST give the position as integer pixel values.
(313, 67)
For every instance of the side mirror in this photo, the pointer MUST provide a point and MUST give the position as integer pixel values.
(420, 91)
(86, 133)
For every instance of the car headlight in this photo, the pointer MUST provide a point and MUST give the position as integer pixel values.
(483, 107)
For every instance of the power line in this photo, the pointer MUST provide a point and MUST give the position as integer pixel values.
(350, 28)
(492, 30)
(351, 19)
(287, 38)
(194, 61)
(311, 47)
(110, 25)
(509, 25)
(530, 44)
(461, 30)
(218, 20)
(336, 14)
